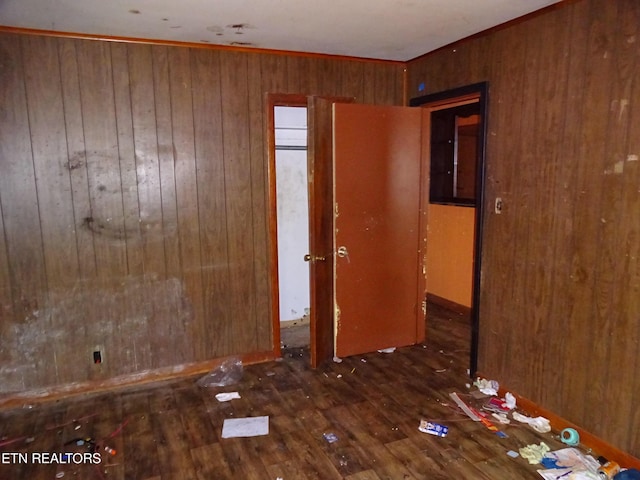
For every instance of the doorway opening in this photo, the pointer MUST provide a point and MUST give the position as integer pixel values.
(288, 219)
(332, 319)
(292, 219)
(457, 151)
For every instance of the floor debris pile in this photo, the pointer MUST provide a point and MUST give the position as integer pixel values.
(570, 463)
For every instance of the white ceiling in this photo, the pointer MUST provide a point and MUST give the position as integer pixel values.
(383, 29)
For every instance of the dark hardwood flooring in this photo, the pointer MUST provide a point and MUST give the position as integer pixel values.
(372, 403)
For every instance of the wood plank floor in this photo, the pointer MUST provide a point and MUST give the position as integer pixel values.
(372, 403)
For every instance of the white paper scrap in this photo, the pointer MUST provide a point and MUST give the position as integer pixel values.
(387, 350)
(245, 427)
(225, 397)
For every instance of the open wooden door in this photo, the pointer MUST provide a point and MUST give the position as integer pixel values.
(374, 205)
(320, 177)
(380, 196)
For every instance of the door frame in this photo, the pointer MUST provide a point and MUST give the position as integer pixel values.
(320, 328)
(275, 100)
(447, 99)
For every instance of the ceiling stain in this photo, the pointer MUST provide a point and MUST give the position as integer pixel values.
(134, 11)
(240, 27)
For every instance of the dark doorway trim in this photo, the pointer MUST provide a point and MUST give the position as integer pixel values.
(449, 97)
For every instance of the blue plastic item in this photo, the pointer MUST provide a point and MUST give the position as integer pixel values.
(631, 474)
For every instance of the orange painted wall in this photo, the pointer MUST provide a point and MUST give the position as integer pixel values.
(450, 252)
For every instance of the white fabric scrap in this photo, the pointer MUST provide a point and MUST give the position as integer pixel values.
(225, 397)
(539, 424)
(245, 427)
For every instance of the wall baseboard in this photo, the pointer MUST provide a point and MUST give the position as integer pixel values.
(448, 304)
(49, 394)
(598, 446)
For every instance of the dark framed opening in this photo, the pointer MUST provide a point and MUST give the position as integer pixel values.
(447, 108)
(454, 154)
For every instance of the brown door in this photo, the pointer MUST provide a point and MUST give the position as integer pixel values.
(320, 178)
(380, 187)
(381, 206)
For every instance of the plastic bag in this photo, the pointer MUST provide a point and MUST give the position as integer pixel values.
(228, 372)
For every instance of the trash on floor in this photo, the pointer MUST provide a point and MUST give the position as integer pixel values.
(433, 428)
(330, 437)
(225, 397)
(608, 469)
(487, 423)
(387, 350)
(502, 418)
(472, 413)
(245, 427)
(570, 464)
(496, 405)
(488, 387)
(539, 424)
(570, 436)
(228, 372)
(567, 474)
(509, 401)
(631, 474)
(570, 458)
(465, 408)
(513, 454)
(534, 453)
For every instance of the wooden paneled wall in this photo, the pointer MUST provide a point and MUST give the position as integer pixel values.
(133, 201)
(560, 295)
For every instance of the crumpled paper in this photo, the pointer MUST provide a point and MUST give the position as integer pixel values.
(510, 400)
(488, 387)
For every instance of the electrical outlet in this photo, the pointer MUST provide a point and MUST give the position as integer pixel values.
(98, 355)
(498, 206)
